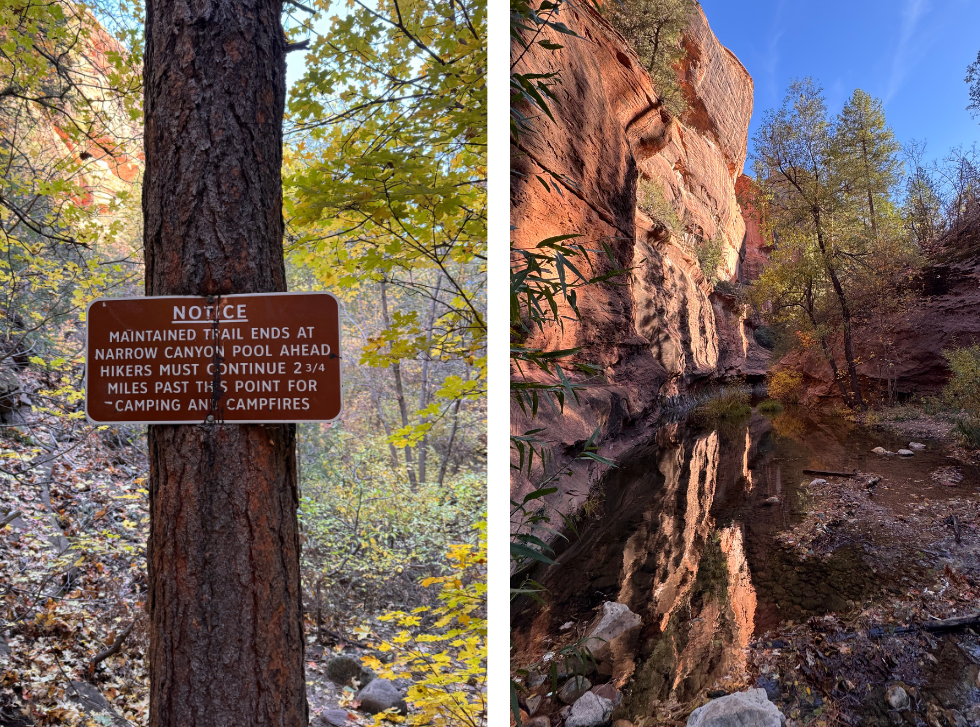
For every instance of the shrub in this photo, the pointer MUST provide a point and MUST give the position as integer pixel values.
(442, 649)
(933, 405)
(969, 432)
(730, 405)
(651, 200)
(654, 28)
(710, 254)
(368, 534)
(726, 287)
(785, 385)
(765, 337)
(963, 389)
(770, 406)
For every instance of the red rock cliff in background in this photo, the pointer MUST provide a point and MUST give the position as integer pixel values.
(662, 328)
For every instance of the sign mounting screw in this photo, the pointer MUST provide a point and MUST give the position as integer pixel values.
(210, 419)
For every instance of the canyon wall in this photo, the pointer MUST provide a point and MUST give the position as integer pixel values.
(660, 328)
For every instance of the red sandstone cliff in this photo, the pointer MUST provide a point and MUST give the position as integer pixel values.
(662, 328)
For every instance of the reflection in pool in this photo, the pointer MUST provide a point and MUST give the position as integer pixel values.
(686, 539)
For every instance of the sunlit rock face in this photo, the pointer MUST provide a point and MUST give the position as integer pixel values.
(658, 330)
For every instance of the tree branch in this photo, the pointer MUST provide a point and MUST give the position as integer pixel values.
(114, 649)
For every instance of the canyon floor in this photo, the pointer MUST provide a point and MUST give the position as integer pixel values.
(748, 571)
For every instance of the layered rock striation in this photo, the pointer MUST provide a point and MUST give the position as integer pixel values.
(612, 148)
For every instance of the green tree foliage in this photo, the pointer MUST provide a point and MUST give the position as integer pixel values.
(866, 155)
(369, 535)
(962, 392)
(963, 389)
(69, 94)
(973, 81)
(941, 195)
(386, 198)
(385, 204)
(654, 28)
(922, 209)
(829, 187)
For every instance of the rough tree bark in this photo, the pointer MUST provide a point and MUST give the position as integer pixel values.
(226, 631)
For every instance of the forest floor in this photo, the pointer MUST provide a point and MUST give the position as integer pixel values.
(73, 526)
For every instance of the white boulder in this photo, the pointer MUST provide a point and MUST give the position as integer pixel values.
(742, 709)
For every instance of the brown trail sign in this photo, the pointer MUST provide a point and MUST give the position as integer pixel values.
(261, 358)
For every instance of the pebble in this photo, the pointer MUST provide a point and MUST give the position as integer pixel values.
(818, 482)
(573, 689)
(771, 500)
(332, 718)
(917, 446)
(535, 680)
(880, 450)
(897, 697)
(906, 452)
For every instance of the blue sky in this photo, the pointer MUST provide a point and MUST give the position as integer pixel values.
(912, 54)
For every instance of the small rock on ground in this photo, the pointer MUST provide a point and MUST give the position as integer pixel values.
(880, 451)
(535, 680)
(906, 452)
(897, 697)
(590, 710)
(817, 482)
(332, 718)
(540, 721)
(916, 446)
(608, 691)
(771, 500)
(345, 669)
(615, 621)
(737, 710)
(380, 695)
(573, 689)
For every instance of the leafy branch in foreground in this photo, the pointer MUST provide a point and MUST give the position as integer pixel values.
(443, 648)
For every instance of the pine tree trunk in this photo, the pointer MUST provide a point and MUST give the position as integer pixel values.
(871, 199)
(226, 630)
